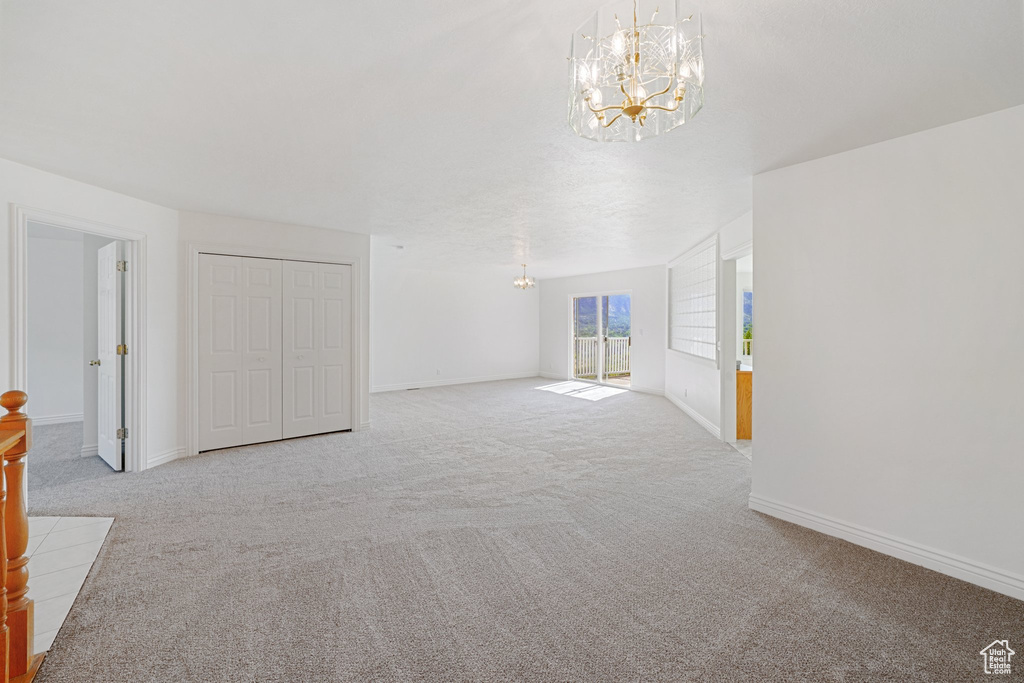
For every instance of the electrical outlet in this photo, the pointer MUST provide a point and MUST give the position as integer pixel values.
(686, 392)
(438, 371)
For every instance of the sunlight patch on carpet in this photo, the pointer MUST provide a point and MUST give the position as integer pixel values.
(590, 392)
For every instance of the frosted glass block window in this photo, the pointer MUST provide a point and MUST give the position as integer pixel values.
(693, 296)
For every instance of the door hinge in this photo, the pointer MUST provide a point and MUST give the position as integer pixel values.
(122, 433)
(122, 349)
(122, 266)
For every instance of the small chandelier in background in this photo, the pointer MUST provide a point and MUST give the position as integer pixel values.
(523, 281)
(635, 81)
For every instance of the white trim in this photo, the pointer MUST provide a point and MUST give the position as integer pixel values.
(553, 375)
(56, 419)
(739, 251)
(166, 457)
(697, 417)
(447, 382)
(701, 246)
(364, 425)
(958, 567)
(89, 451)
(192, 251)
(645, 390)
(135, 459)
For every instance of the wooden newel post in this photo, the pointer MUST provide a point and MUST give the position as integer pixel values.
(5, 639)
(20, 609)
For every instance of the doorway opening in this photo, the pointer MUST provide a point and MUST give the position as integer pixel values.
(745, 354)
(738, 327)
(601, 338)
(76, 325)
(75, 372)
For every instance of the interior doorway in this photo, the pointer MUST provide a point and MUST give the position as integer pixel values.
(738, 344)
(601, 343)
(76, 347)
(63, 318)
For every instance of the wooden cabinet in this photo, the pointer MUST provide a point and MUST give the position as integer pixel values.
(744, 403)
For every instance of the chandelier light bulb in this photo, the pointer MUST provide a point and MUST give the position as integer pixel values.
(619, 42)
(637, 69)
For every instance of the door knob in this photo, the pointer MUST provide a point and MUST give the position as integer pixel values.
(94, 362)
(261, 359)
(301, 356)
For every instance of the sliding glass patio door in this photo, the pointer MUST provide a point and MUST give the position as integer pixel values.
(601, 339)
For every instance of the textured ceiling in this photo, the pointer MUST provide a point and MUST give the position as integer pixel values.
(441, 126)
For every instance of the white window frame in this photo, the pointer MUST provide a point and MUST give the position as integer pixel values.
(689, 262)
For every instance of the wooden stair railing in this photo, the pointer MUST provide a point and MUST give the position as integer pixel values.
(7, 440)
(15, 426)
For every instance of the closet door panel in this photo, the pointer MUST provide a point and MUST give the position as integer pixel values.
(334, 409)
(262, 353)
(221, 372)
(300, 357)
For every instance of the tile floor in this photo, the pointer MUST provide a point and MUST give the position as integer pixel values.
(61, 551)
(745, 447)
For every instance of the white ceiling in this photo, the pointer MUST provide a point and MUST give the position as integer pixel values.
(441, 126)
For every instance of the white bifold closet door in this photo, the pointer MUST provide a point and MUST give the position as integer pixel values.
(239, 351)
(317, 348)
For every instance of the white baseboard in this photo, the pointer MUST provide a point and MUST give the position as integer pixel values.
(447, 382)
(364, 425)
(551, 375)
(958, 567)
(697, 417)
(56, 419)
(89, 451)
(165, 457)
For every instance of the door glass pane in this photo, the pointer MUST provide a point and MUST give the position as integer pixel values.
(585, 338)
(617, 324)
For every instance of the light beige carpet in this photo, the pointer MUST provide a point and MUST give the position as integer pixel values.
(490, 532)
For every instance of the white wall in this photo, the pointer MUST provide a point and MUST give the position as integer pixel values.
(904, 260)
(695, 384)
(647, 305)
(279, 238)
(55, 326)
(37, 189)
(432, 327)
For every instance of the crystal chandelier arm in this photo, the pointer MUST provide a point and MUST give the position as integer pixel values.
(603, 109)
(671, 83)
(654, 106)
(617, 117)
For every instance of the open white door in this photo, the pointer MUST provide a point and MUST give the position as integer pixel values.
(109, 396)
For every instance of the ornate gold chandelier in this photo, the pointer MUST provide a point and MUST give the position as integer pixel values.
(523, 281)
(634, 82)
